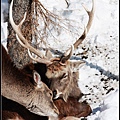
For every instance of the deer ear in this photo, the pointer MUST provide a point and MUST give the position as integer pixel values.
(37, 79)
(76, 64)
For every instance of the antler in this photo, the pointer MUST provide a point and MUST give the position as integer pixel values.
(24, 42)
(83, 36)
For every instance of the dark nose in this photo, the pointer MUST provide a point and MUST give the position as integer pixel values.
(54, 93)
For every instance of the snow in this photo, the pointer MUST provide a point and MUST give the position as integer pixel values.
(99, 76)
(108, 109)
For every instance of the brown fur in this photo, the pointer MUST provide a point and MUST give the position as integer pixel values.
(7, 115)
(40, 68)
(31, 93)
(11, 106)
(69, 85)
(72, 108)
(64, 85)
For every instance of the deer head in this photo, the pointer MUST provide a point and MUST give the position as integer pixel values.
(61, 71)
(63, 75)
(28, 91)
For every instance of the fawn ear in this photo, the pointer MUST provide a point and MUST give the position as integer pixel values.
(76, 64)
(37, 79)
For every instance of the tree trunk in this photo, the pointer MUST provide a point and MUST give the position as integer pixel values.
(18, 54)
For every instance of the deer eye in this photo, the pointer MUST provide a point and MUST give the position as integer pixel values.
(63, 78)
(64, 75)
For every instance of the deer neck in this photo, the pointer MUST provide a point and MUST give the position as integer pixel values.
(17, 88)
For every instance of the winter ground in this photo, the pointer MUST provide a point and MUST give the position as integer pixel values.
(99, 77)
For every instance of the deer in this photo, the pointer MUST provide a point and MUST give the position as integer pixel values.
(73, 107)
(28, 91)
(61, 71)
(70, 108)
(63, 63)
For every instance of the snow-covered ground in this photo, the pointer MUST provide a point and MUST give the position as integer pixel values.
(99, 78)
